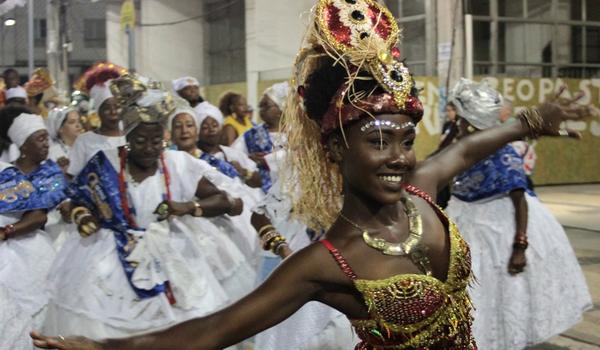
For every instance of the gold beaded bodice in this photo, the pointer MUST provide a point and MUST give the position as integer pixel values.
(414, 311)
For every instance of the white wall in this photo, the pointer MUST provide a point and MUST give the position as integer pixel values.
(274, 30)
(162, 52)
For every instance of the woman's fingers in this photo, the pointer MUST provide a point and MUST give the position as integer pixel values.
(44, 342)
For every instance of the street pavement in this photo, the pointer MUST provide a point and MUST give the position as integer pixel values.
(577, 207)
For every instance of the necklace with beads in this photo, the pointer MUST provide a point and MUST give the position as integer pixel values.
(129, 210)
(415, 227)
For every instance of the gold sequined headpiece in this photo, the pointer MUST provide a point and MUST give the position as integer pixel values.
(141, 100)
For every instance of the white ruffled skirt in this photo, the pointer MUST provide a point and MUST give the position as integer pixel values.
(549, 297)
(91, 296)
(24, 264)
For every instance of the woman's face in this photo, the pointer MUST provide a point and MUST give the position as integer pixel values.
(184, 132)
(240, 106)
(190, 93)
(378, 160)
(210, 131)
(450, 113)
(269, 111)
(36, 146)
(71, 127)
(109, 112)
(145, 144)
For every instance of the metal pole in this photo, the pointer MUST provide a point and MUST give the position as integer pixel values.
(469, 46)
(131, 49)
(65, 43)
(30, 58)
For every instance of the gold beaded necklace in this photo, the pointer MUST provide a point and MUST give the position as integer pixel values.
(415, 227)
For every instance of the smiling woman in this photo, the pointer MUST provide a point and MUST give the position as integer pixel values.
(348, 78)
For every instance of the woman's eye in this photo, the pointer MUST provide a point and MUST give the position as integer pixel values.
(409, 143)
(378, 142)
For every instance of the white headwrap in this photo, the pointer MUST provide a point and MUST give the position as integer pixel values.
(16, 92)
(56, 118)
(24, 126)
(478, 103)
(183, 82)
(205, 110)
(180, 110)
(100, 93)
(278, 93)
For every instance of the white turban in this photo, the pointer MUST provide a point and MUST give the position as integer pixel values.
(56, 118)
(100, 93)
(205, 110)
(478, 103)
(180, 110)
(278, 93)
(24, 126)
(16, 92)
(184, 82)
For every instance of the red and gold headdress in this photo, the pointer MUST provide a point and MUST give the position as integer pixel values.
(40, 81)
(98, 74)
(362, 36)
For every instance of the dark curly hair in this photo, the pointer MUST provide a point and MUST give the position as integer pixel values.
(323, 83)
(226, 101)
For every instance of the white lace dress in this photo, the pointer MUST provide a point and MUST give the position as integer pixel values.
(24, 264)
(15, 324)
(90, 294)
(549, 297)
(315, 326)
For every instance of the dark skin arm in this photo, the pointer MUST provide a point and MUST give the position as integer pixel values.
(435, 172)
(517, 259)
(30, 221)
(229, 135)
(212, 200)
(266, 306)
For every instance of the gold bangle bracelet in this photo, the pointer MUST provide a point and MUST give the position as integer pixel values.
(262, 230)
(76, 211)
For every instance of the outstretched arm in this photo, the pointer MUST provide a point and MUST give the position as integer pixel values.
(437, 171)
(290, 286)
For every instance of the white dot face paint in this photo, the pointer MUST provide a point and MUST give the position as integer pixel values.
(385, 123)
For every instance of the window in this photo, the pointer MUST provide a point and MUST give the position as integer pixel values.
(418, 34)
(94, 32)
(536, 38)
(226, 33)
(40, 31)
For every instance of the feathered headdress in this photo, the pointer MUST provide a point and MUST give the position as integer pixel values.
(40, 81)
(98, 74)
(361, 36)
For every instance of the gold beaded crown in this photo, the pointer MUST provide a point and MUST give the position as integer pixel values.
(358, 35)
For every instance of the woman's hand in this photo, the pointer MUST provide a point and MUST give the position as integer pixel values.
(69, 343)
(557, 110)
(259, 158)
(172, 208)
(87, 225)
(517, 261)
(64, 209)
(238, 167)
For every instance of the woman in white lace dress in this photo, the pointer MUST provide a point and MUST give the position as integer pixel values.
(529, 284)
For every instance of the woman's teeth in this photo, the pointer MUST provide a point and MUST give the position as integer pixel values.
(394, 179)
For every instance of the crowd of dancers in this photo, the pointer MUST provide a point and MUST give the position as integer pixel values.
(149, 218)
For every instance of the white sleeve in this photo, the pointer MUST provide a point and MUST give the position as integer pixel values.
(77, 157)
(240, 157)
(240, 145)
(274, 161)
(191, 170)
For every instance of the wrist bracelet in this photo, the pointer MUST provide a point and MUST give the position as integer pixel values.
(9, 230)
(521, 242)
(198, 211)
(263, 229)
(76, 211)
